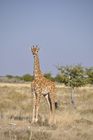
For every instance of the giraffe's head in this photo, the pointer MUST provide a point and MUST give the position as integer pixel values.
(35, 50)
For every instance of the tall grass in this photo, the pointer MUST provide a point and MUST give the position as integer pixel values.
(16, 115)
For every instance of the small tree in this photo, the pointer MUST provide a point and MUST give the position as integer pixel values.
(73, 76)
(89, 73)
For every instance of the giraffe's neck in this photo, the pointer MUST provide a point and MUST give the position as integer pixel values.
(37, 71)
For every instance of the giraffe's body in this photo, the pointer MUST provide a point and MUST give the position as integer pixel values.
(42, 86)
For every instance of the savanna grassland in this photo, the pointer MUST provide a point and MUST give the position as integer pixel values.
(71, 123)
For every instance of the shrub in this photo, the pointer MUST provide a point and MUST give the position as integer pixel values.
(49, 76)
(27, 77)
(89, 73)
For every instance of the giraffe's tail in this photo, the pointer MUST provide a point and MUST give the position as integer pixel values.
(56, 105)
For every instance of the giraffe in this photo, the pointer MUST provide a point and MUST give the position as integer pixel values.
(41, 86)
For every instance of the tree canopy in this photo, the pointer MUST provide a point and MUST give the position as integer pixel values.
(74, 76)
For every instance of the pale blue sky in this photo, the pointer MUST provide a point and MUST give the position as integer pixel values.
(62, 28)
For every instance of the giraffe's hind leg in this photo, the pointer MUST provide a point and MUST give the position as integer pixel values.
(51, 107)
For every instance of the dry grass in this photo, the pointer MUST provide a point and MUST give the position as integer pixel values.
(71, 124)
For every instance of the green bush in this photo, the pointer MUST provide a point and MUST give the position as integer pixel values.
(27, 77)
(49, 76)
(9, 76)
(58, 78)
(89, 73)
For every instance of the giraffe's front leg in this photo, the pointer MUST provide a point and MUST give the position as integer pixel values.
(34, 108)
(36, 103)
(37, 107)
